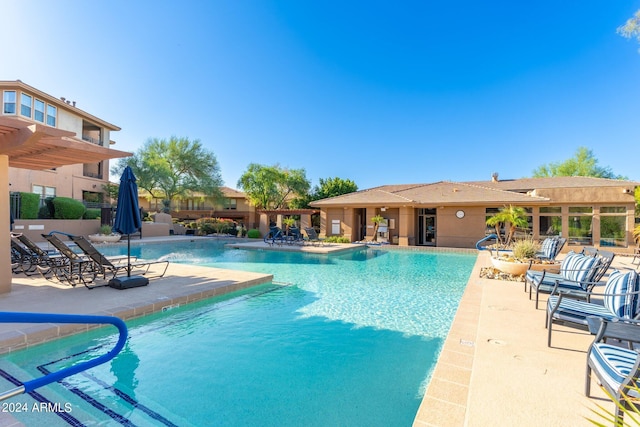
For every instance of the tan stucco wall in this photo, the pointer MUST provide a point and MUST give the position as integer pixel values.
(34, 228)
(457, 232)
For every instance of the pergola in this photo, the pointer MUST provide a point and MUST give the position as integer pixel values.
(28, 145)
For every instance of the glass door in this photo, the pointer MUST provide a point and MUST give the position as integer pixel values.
(427, 227)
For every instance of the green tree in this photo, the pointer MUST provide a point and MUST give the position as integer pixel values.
(174, 168)
(582, 164)
(330, 187)
(376, 225)
(631, 28)
(269, 187)
(515, 216)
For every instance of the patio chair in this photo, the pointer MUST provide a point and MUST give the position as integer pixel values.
(551, 247)
(73, 269)
(274, 236)
(295, 236)
(620, 301)
(617, 369)
(28, 256)
(107, 269)
(578, 273)
(314, 239)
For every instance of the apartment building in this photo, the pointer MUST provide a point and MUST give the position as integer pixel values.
(24, 106)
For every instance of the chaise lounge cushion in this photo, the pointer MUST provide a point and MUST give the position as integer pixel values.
(578, 268)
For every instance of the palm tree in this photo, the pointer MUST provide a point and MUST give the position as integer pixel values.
(376, 224)
(514, 215)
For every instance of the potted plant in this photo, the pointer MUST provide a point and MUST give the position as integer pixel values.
(521, 258)
(105, 235)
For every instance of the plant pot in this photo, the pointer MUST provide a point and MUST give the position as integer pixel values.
(104, 238)
(518, 268)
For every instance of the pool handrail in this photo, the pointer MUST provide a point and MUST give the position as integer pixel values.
(484, 239)
(21, 317)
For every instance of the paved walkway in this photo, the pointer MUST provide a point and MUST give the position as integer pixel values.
(496, 368)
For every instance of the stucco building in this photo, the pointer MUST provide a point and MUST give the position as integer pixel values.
(59, 118)
(51, 147)
(589, 211)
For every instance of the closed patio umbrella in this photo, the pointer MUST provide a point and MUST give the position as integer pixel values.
(128, 212)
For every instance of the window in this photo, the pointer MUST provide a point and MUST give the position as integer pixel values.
(550, 221)
(613, 226)
(52, 114)
(580, 225)
(231, 204)
(38, 111)
(25, 105)
(44, 191)
(9, 100)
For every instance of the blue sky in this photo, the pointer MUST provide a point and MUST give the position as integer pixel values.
(375, 91)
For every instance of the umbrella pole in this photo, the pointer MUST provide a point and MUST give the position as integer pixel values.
(128, 255)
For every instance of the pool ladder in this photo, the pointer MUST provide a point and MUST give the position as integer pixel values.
(29, 386)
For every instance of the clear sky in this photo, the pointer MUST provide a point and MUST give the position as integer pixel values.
(378, 92)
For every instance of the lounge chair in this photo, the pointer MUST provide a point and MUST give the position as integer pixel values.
(73, 269)
(578, 273)
(620, 301)
(295, 236)
(107, 269)
(274, 236)
(313, 236)
(616, 368)
(22, 260)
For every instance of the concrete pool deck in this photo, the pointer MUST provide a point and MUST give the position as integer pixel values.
(495, 367)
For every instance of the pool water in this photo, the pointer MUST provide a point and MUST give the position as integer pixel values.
(347, 340)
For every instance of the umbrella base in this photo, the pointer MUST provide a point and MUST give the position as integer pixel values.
(128, 282)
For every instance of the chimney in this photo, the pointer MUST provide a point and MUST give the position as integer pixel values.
(494, 177)
(63, 98)
(73, 103)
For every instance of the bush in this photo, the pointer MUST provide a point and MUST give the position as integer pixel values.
(337, 239)
(68, 208)
(29, 205)
(525, 248)
(92, 214)
(215, 225)
(253, 234)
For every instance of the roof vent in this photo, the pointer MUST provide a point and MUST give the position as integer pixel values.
(494, 177)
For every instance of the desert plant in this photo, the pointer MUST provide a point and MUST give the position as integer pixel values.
(105, 229)
(636, 234)
(376, 224)
(515, 216)
(525, 248)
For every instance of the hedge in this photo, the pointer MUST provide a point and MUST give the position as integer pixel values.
(29, 205)
(92, 214)
(68, 208)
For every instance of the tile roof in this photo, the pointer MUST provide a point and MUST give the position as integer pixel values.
(467, 193)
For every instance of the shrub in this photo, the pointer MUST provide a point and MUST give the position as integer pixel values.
(92, 214)
(29, 205)
(525, 248)
(253, 233)
(337, 239)
(105, 229)
(44, 213)
(215, 225)
(68, 208)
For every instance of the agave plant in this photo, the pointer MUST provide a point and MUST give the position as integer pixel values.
(630, 411)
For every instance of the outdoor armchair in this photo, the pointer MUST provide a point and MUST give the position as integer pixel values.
(620, 300)
(313, 236)
(616, 368)
(578, 272)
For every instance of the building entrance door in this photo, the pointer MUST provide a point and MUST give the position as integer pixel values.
(427, 227)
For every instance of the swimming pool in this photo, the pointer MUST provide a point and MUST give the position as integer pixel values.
(350, 340)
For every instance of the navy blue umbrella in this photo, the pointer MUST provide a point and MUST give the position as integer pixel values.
(128, 212)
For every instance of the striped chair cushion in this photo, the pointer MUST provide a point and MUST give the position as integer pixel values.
(577, 311)
(578, 267)
(625, 306)
(548, 248)
(613, 364)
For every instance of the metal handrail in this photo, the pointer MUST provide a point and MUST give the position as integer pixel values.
(19, 317)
